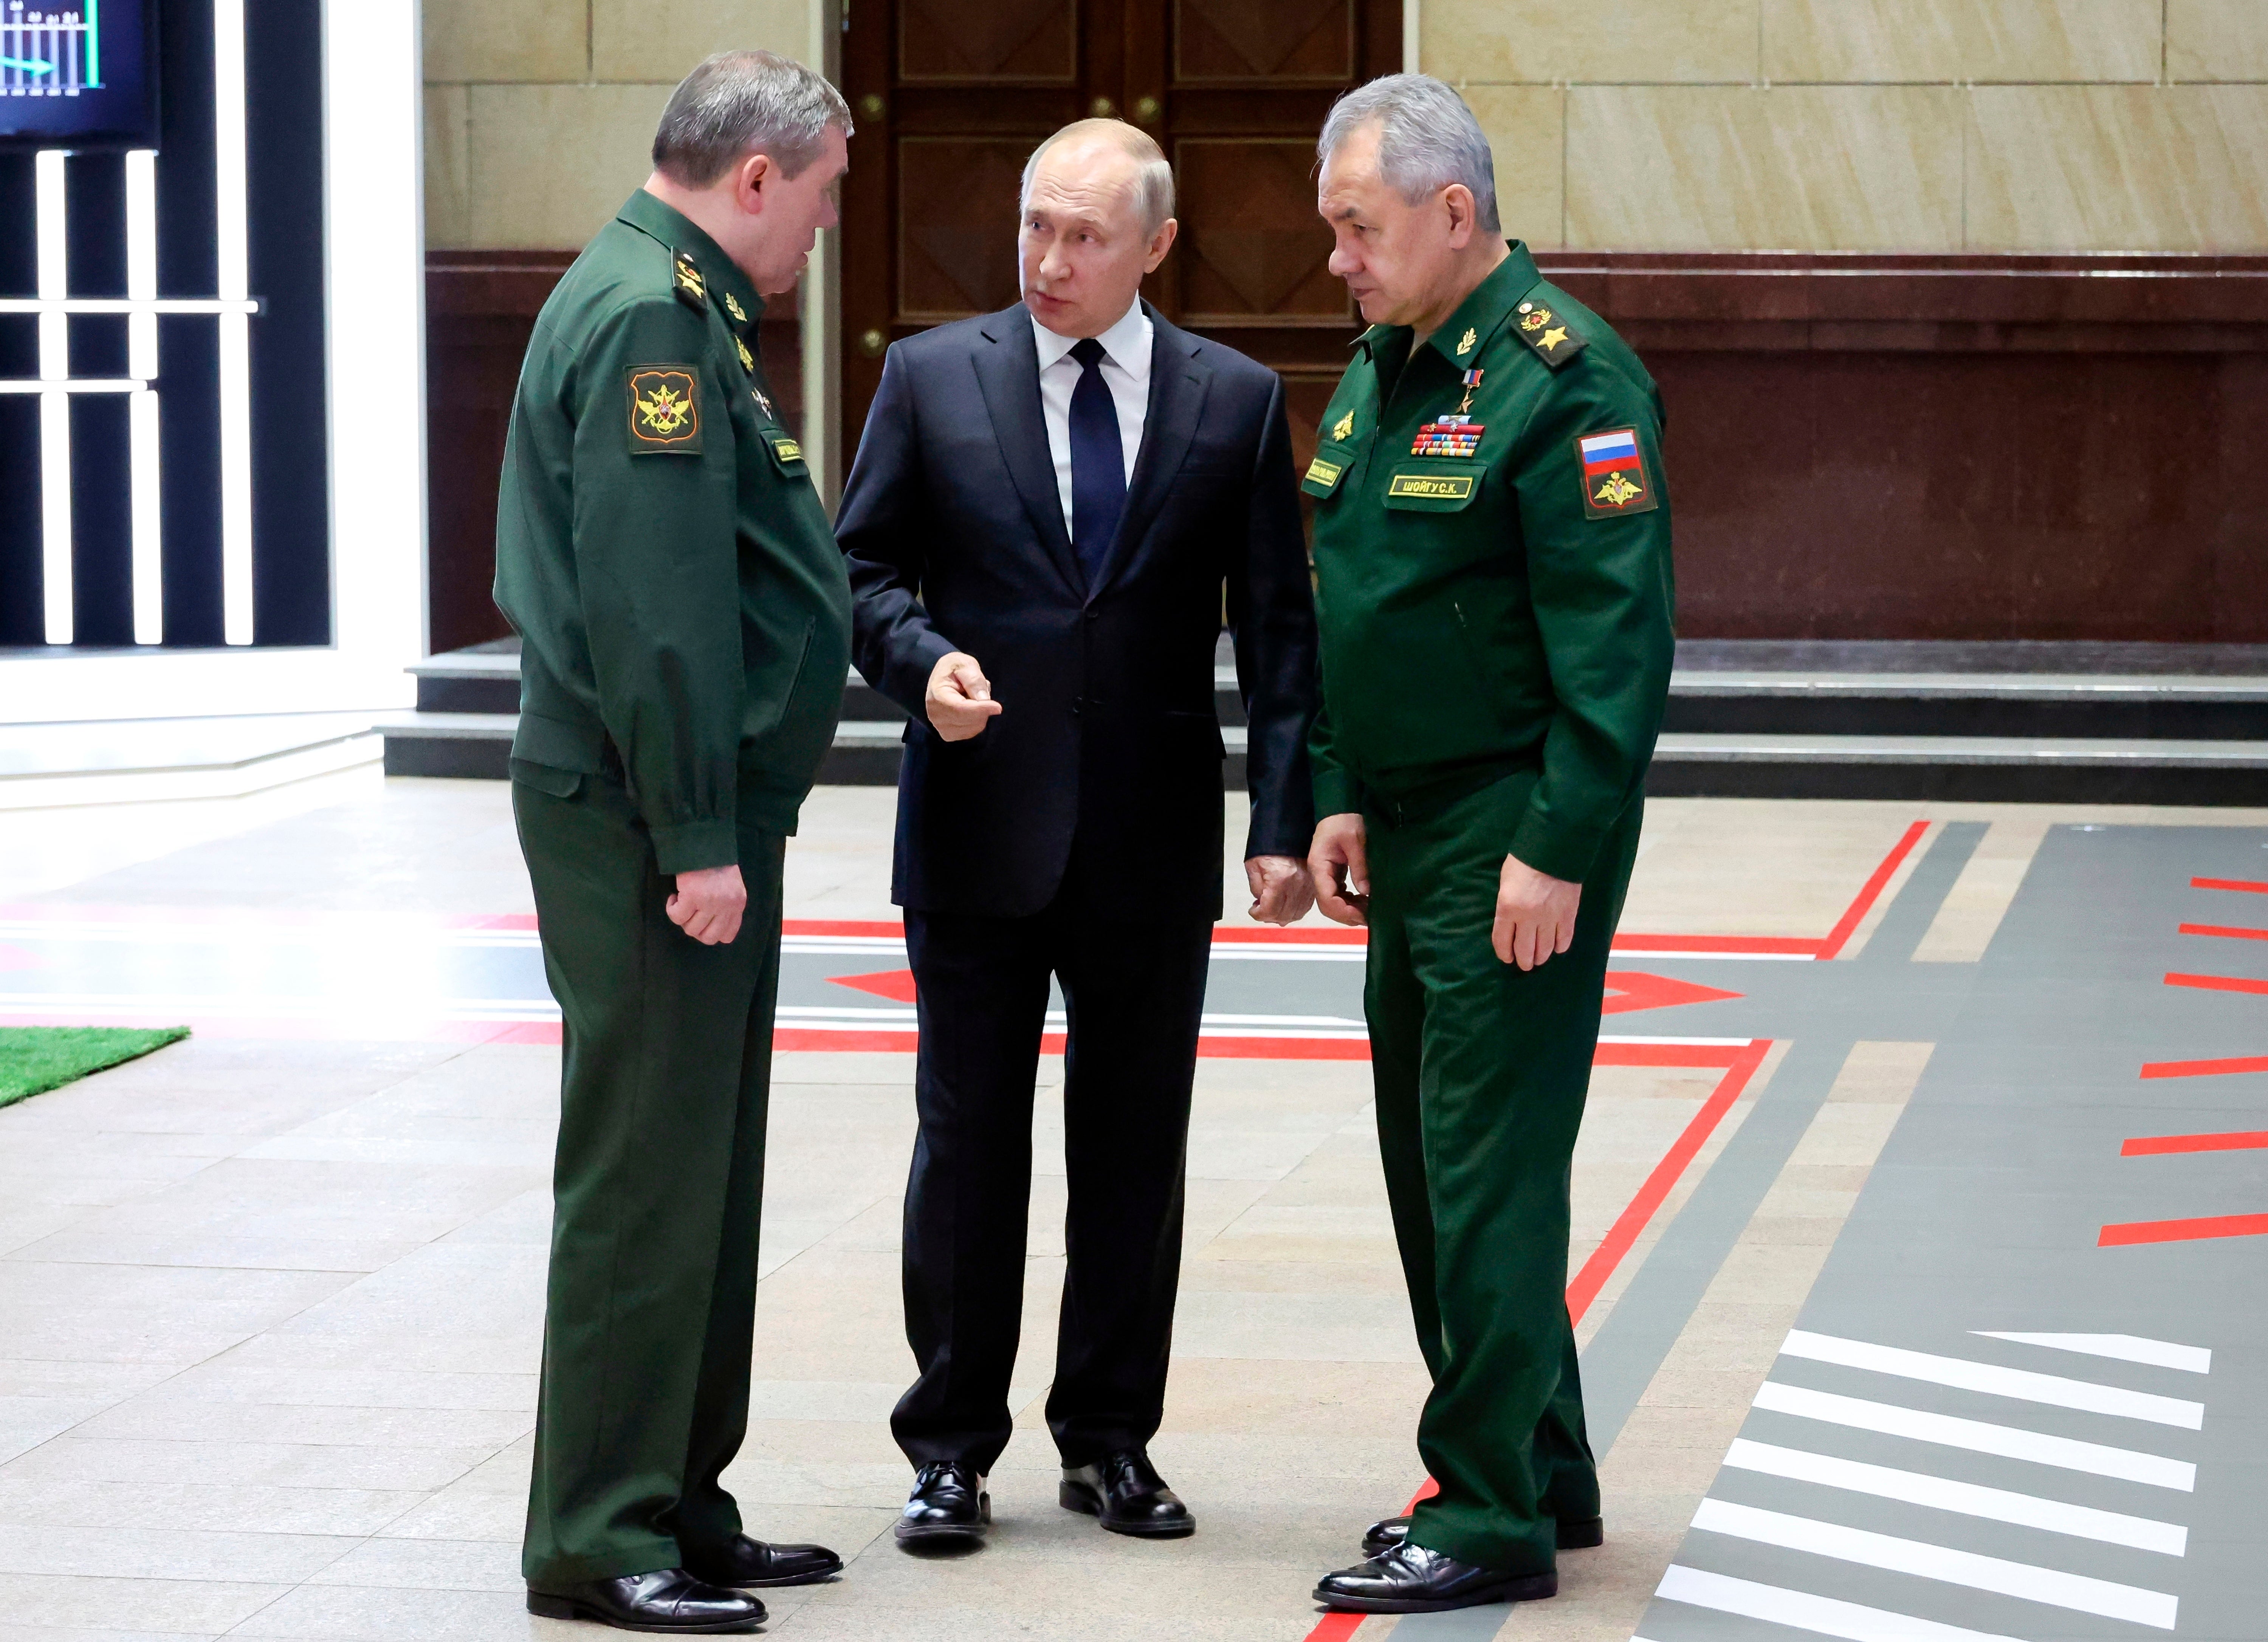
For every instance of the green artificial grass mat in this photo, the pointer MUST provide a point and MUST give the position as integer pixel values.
(36, 1059)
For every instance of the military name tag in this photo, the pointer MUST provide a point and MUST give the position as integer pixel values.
(665, 409)
(789, 449)
(1432, 487)
(1323, 473)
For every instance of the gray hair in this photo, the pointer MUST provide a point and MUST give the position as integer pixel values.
(1153, 178)
(1427, 139)
(739, 103)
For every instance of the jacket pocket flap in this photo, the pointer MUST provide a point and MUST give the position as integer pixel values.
(1328, 468)
(558, 744)
(560, 784)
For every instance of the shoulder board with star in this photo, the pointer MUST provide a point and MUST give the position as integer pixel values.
(1549, 336)
(686, 281)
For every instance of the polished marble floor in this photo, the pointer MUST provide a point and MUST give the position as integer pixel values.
(269, 1300)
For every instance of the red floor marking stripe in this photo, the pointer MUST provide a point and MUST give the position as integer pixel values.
(1803, 944)
(2205, 1068)
(1624, 1233)
(2250, 887)
(1303, 935)
(2218, 983)
(1620, 1238)
(1855, 914)
(2155, 1146)
(891, 927)
(2233, 932)
(2182, 1230)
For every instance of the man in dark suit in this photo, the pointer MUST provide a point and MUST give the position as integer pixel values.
(1045, 506)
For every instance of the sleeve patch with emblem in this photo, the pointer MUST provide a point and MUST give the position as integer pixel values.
(665, 409)
(1614, 478)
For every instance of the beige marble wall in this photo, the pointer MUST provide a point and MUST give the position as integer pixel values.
(1894, 125)
(539, 112)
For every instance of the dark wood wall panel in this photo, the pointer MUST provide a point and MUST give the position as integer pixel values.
(1957, 447)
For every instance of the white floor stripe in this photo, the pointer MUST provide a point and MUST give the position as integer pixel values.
(2111, 1526)
(2129, 1348)
(1988, 1377)
(2009, 1441)
(1801, 1610)
(2073, 1591)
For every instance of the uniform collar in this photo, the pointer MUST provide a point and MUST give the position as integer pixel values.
(660, 220)
(1482, 312)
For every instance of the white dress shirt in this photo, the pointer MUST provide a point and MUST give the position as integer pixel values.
(1125, 372)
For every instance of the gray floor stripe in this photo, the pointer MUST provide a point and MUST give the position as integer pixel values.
(1628, 1350)
(1907, 919)
(1464, 1625)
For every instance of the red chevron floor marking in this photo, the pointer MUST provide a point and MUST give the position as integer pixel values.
(894, 984)
(1635, 989)
(2205, 1068)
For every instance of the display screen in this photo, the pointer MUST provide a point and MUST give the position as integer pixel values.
(78, 74)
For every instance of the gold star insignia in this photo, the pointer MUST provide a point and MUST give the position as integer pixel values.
(1552, 338)
(733, 307)
(688, 275)
(1343, 429)
(1465, 343)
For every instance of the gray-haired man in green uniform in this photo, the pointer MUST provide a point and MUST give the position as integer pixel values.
(1494, 595)
(685, 625)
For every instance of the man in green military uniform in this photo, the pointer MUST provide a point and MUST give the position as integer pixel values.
(685, 625)
(1494, 599)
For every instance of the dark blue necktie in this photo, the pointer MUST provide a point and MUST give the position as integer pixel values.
(1098, 463)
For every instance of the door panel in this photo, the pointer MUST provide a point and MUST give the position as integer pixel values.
(951, 96)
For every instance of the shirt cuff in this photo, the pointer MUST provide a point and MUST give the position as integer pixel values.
(1557, 850)
(697, 845)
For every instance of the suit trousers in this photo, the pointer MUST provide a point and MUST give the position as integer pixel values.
(1132, 993)
(650, 1312)
(1481, 1071)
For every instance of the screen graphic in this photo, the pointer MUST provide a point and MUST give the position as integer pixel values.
(77, 75)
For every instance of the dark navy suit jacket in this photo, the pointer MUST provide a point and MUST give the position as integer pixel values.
(955, 535)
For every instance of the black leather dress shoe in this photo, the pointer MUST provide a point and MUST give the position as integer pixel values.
(949, 1508)
(1128, 1495)
(1411, 1579)
(1586, 1534)
(750, 1562)
(668, 1599)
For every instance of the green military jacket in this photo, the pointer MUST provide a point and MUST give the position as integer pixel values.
(1493, 582)
(660, 550)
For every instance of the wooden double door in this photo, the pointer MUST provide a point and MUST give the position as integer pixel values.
(951, 96)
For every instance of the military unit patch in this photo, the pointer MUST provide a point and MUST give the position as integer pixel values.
(692, 290)
(1614, 475)
(665, 409)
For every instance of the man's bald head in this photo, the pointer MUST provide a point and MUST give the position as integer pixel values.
(1146, 172)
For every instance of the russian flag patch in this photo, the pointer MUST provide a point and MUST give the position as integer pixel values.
(1614, 475)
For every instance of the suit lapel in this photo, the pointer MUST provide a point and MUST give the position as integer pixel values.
(1178, 381)
(1008, 370)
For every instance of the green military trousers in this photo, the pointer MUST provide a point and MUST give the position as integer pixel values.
(1481, 1071)
(649, 1313)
